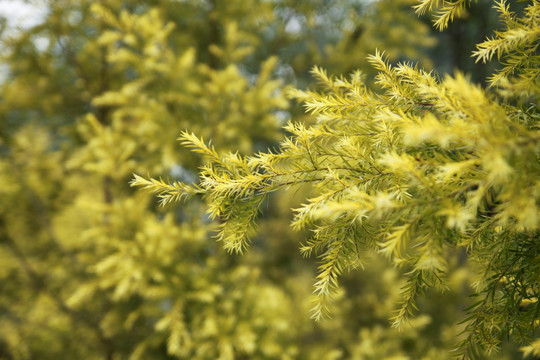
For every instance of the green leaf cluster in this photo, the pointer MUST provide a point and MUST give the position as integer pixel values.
(89, 268)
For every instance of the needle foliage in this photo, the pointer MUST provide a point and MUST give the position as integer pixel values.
(419, 169)
(91, 268)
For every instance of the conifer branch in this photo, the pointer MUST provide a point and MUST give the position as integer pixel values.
(406, 171)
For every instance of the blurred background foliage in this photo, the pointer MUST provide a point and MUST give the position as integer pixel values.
(97, 90)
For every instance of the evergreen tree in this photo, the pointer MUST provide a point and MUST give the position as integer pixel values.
(90, 268)
(419, 171)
